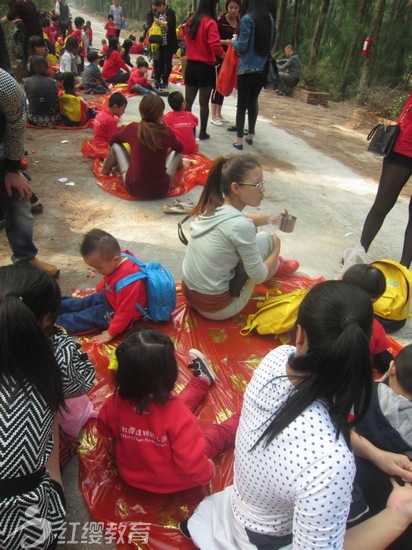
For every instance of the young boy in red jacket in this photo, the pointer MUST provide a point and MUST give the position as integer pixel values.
(106, 309)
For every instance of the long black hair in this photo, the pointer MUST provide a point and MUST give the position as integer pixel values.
(113, 43)
(259, 11)
(336, 368)
(147, 368)
(27, 297)
(205, 8)
(223, 172)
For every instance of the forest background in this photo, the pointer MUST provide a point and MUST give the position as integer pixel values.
(329, 36)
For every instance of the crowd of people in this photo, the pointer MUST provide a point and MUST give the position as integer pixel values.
(308, 438)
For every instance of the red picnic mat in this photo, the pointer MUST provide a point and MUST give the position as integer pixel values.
(139, 519)
(183, 182)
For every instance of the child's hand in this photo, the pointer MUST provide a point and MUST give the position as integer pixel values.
(102, 338)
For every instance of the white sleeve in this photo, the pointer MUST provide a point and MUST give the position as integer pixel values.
(322, 501)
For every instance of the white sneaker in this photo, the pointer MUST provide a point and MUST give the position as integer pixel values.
(216, 122)
(223, 120)
(200, 366)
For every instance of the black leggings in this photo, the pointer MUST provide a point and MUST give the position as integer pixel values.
(394, 177)
(249, 87)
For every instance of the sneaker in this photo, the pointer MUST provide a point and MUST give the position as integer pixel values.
(280, 93)
(182, 526)
(200, 366)
(48, 268)
(286, 267)
(223, 120)
(216, 122)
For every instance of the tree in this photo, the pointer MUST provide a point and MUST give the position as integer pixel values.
(279, 23)
(296, 21)
(369, 61)
(317, 37)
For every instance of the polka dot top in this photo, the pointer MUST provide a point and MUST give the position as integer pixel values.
(301, 482)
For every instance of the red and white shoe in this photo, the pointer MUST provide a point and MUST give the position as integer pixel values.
(286, 267)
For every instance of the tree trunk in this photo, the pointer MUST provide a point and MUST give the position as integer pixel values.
(279, 23)
(317, 37)
(296, 23)
(367, 69)
(354, 44)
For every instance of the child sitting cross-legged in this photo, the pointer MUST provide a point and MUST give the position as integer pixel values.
(73, 108)
(106, 309)
(105, 123)
(181, 122)
(158, 442)
(138, 82)
(92, 79)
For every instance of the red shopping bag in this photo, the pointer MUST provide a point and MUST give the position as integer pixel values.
(227, 77)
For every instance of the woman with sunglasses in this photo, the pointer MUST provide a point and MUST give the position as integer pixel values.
(226, 256)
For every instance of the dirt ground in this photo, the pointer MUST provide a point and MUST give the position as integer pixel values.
(326, 129)
(71, 210)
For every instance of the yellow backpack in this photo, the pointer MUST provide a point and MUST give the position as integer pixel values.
(276, 314)
(392, 308)
(70, 107)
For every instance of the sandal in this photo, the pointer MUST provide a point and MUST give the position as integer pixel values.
(177, 208)
(187, 204)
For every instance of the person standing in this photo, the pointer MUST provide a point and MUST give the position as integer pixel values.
(228, 25)
(167, 21)
(15, 190)
(396, 171)
(203, 47)
(257, 33)
(63, 11)
(117, 12)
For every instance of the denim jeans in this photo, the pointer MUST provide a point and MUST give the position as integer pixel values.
(19, 219)
(79, 315)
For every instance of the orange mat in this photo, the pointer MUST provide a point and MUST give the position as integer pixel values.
(139, 519)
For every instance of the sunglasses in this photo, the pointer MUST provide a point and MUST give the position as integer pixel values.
(259, 185)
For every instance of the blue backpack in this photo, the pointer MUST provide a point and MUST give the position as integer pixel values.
(160, 289)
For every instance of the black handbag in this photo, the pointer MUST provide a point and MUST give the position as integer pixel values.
(382, 139)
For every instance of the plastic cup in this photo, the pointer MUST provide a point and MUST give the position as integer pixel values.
(287, 223)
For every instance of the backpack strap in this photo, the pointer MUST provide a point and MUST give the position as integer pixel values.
(132, 278)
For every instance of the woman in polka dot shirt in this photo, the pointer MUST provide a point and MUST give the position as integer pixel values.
(294, 467)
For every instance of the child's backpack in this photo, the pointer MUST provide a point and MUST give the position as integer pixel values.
(160, 289)
(276, 314)
(70, 107)
(392, 308)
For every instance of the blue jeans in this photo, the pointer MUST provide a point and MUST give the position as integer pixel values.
(85, 314)
(19, 219)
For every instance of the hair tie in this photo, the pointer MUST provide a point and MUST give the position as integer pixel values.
(349, 320)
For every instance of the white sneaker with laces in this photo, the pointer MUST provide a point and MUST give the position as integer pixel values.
(200, 366)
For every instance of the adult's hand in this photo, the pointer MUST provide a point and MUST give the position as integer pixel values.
(16, 180)
(400, 500)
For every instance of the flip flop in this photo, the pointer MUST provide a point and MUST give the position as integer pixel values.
(187, 204)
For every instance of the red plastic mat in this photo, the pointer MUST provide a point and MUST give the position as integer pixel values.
(141, 520)
(183, 182)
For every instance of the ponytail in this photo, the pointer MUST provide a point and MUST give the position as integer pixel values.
(224, 171)
(212, 195)
(26, 354)
(336, 369)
